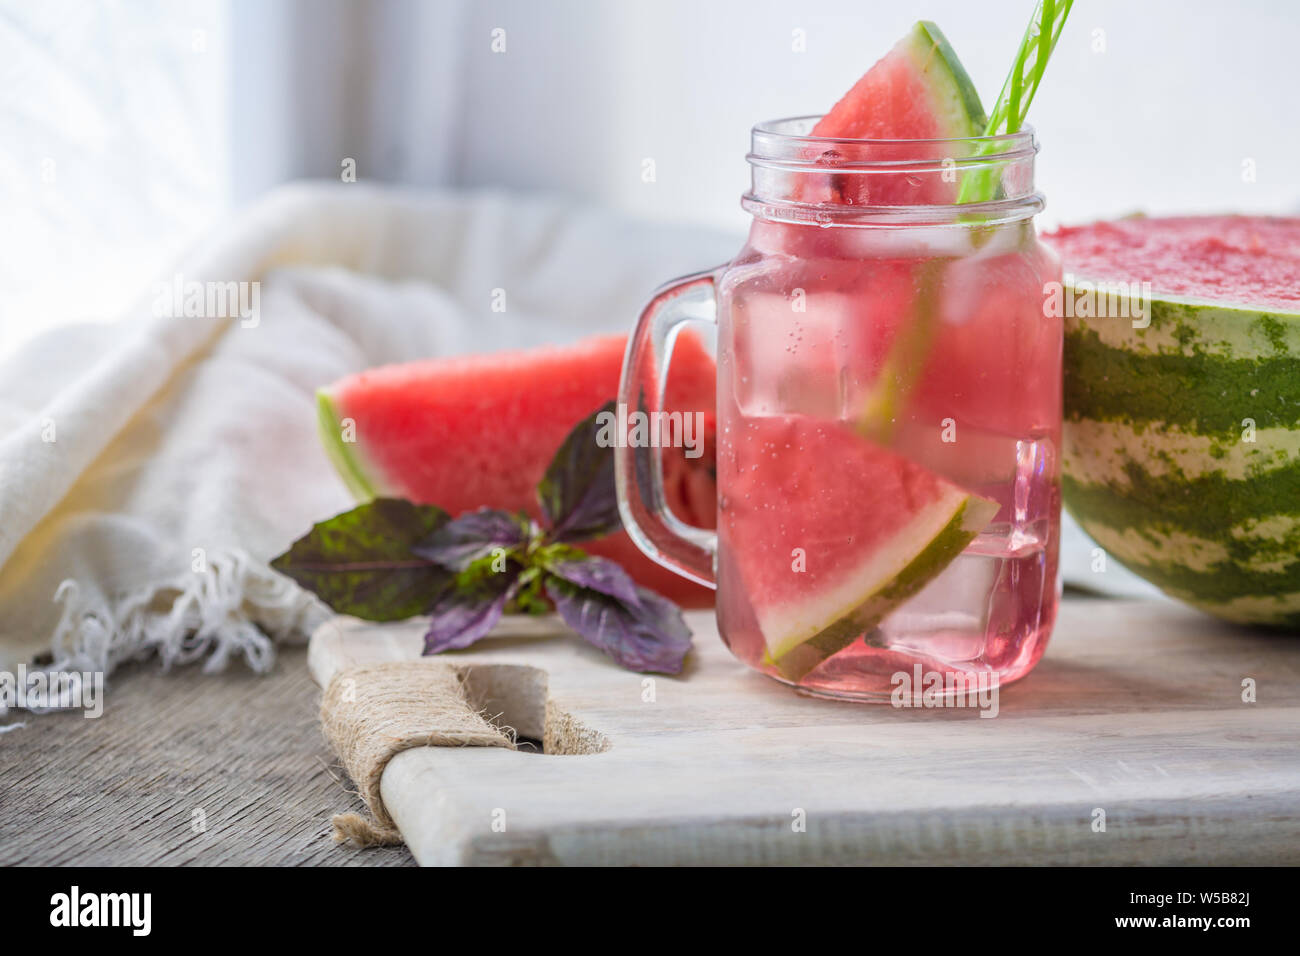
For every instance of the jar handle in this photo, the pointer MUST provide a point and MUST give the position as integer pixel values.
(638, 471)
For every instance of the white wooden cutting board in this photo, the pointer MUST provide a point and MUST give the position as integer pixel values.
(1136, 711)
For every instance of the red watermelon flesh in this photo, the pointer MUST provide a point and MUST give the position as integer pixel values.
(919, 90)
(1238, 260)
(479, 430)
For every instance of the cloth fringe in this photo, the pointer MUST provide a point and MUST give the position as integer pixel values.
(372, 712)
(235, 606)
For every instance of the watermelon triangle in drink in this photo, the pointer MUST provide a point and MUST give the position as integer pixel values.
(829, 532)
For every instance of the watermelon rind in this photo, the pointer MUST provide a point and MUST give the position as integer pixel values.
(1181, 451)
(345, 456)
(799, 639)
(955, 96)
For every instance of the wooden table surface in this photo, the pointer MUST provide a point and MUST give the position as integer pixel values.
(246, 751)
(123, 789)
(1136, 711)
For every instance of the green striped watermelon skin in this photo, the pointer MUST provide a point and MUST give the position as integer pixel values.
(1157, 468)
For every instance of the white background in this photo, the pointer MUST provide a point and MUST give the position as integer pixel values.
(129, 128)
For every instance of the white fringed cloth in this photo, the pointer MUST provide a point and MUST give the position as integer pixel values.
(149, 469)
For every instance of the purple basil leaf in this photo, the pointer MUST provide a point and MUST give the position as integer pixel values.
(459, 617)
(360, 562)
(647, 636)
(473, 536)
(577, 492)
(597, 574)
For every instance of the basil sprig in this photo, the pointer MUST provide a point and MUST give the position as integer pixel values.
(389, 560)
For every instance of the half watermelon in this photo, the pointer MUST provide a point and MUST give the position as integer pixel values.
(1181, 452)
(479, 430)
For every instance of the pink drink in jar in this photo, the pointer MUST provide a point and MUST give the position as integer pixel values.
(889, 415)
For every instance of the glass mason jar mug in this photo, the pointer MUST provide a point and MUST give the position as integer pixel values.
(888, 418)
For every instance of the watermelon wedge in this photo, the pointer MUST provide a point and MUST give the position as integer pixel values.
(1181, 449)
(903, 110)
(479, 430)
(919, 90)
(832, 532)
